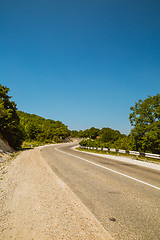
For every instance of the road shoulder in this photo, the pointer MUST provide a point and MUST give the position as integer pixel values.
(123, 159)
(36, 204)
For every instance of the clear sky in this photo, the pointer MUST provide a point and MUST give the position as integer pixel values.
(83, 62)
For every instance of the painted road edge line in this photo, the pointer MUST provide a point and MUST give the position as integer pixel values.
(111, 170)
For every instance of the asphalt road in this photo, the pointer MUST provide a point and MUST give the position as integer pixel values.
(127, 208)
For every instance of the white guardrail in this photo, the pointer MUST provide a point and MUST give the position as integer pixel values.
(149, 155)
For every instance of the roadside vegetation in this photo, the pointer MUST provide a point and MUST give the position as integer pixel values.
(29, 130)
(144, 136)
(24, 129)
(10, 128)
(31, 144)
(38, 130)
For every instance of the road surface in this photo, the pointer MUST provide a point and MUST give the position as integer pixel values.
(125, 198)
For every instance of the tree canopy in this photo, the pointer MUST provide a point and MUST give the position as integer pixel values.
(37, 128)
(145, 134)
(145, 119)
(17, 126)
(10, 128)
(109, 135)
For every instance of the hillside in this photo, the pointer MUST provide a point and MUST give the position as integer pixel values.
(37, 128)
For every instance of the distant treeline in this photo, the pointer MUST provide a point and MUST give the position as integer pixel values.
(144, 136)
(105, 137)
(17, 126)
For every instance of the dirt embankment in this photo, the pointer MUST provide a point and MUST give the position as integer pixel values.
(5, 150)
(36, 205)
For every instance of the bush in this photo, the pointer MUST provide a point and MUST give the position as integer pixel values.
(10, 127)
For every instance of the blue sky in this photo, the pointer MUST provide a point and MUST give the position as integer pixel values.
(84, 63)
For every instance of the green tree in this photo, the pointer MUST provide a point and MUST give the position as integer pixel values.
(124, 142)
(82, 134)
(10, 128)
(145, 119)
(93, 132)
(74, 134)
(109, 135)
(33, 131)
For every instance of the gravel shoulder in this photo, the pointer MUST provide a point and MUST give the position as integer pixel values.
(37, 205)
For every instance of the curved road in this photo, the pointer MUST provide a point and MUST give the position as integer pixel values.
(125, 198)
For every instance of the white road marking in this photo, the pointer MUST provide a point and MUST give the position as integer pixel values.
(124, 175)
(149, 165)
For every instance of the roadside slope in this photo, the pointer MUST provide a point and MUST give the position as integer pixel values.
(5, 150)
(37, 205)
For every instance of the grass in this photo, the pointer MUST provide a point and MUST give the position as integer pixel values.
(153, 160)
(30, 145)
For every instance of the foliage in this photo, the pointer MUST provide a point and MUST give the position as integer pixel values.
(145, 119)
(109, 135)
(43, 130)
(124, 142)
(10, 128)
(92, 132)
(108, 138)
(16, 126)
(145, 135)
(74, 134)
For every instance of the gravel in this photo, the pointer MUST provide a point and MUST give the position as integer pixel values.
(36, 204)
